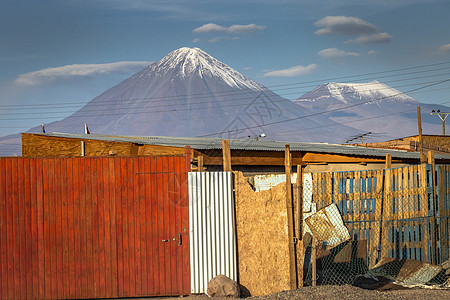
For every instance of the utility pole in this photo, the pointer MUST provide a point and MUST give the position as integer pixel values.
(442, 116)
(419, 121)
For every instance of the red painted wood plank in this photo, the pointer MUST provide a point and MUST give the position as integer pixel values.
(131, 230)
(113, 231)
(156, 228)
(83, 211)
(28, 254)
(16, 229)
(162, 223)
(184, 215)
(40, 227)
(70, 261)
(95, 228)
(177, 188)
(137, 226)
(33, 230)
(150, 225)
(75, 249)
(105, 282)
(3, 233)
(142, 228)
(101, 230)
(171, 230)
(90, 200)
(59, 275)
(9, 229)
(121, 230)
(47, 214)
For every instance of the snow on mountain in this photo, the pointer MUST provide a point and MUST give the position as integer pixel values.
(189, 93)
(350, 92)
(370, 107)
(195, 62)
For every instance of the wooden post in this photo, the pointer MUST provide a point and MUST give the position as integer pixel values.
(300, 255)
(200, 163)
(419, 121)
(226, 152)
(432, 162)
(187, 154)
(314, 261)
(82, 148)
(388, 161)
(290, 219)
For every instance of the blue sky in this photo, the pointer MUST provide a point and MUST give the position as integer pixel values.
(56, 55)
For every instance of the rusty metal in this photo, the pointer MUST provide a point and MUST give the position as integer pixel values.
(327, 226)
(407, 271)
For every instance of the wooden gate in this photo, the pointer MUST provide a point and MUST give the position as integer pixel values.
(94, 227)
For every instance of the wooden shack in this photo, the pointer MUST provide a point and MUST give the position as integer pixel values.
(250, 156)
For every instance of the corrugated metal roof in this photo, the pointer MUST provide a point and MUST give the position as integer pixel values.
(249, 144)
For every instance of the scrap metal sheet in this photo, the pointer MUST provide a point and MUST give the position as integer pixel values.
(327, 226)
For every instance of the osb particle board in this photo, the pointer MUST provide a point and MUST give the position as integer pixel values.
(262, 234)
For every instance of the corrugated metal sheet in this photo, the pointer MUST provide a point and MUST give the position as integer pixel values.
(211, 223)
(216, 143)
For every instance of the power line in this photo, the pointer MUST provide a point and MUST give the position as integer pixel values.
(207, 94)
(324, 112)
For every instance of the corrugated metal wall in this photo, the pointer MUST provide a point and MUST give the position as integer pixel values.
(212, 228)
(93, 227)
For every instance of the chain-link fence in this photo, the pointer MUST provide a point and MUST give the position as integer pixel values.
(391, 224)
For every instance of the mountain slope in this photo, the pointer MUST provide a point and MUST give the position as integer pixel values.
(371, 107)
(189, 93)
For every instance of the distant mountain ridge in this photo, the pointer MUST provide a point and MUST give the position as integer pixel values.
(371, 107)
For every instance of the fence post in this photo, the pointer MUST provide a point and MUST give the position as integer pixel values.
(290, 219)
(432, 162)
(300, 256)
(226, 153)
(314, 261)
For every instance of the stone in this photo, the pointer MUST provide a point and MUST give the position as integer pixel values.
(223, 286)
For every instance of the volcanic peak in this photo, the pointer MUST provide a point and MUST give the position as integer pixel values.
(188, 62)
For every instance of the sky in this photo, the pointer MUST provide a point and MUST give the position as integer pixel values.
(56, 55)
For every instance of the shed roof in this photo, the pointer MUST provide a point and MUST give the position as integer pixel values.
(248, 144)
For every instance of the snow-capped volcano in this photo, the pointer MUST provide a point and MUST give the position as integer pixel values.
(351, 92)
(188, 93)
(186, 62)
(370, 107)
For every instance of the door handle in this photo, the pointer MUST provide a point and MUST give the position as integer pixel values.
(179, 239)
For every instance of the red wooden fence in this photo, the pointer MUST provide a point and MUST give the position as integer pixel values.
(94, 227)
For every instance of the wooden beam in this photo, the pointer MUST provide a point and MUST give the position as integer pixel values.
(432, 162)
(300, 257)
(388, 161)
(226, 153)
(290, 219)
(200, 163)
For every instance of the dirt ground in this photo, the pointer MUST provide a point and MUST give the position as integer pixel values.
(344, 292)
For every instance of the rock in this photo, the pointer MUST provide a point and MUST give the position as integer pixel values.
(223, 286)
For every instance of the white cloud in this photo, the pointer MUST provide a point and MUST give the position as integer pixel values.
(68, 72)
(344, 25)
(293, 71)
(341, 25)
(196, 40)
(237, 29)
(377, 38)
(336, 53)
(444, 49)
(372, 52)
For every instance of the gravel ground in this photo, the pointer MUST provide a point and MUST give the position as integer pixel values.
(344, 292)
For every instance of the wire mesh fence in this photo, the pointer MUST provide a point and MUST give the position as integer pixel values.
(391, 223)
